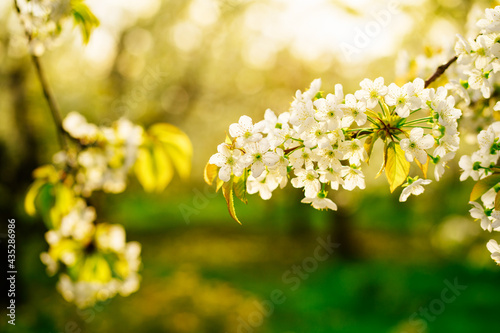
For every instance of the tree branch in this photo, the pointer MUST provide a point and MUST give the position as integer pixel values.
(49, 97)
(54, 109)
(439, 71)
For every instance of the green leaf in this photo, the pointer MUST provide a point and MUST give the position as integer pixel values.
(84, 18)
(210, 173)
(46, 199)
(397, 167)
(369, 142)
(227, 191)
(483, 185)
(240, 187)
(31, 195)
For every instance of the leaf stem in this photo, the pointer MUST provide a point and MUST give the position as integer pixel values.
(412, 126)
(420, 120)
(412, 112)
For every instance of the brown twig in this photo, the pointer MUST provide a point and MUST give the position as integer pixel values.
(439, 71)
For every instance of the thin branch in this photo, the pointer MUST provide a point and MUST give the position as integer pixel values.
(439, 71)
(49, 97)
(54, 109)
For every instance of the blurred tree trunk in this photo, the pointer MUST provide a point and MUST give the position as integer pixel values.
(18, 165)
(300, 226)
(341, 231)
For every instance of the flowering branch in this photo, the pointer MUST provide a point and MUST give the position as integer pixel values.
(317, 144)
(93, 259)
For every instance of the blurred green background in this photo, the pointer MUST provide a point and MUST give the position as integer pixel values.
(200, 65)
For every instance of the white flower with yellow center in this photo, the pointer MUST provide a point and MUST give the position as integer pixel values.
(415, 188)
(308, 179)
(258, 156)
(415, 145)
(353, 177)
(371, 91)
(228, 160)
(245, 131)
(264, 185)
(354, 111)
(320, 201)
(403, 98)
(354, 151)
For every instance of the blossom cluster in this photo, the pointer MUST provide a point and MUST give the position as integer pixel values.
(479, 56)
(479, 165)
(92, 258)
(42, 20)
(105, 155)
(318, 143)
(95, 261)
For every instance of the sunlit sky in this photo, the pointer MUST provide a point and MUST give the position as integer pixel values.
(311, 28)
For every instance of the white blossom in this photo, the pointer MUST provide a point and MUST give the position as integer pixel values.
(228, 160)
(494, 248)
(415, 145)
(415, 188)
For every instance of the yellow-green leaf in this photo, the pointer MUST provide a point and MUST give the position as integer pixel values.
(168, 133)
(423, 167)
(227, 191)
(47, 172)
(228, 140)
(95, 269)
(31, 195)
(177, 145)
(64, 201)
(384, 162)
(240, 187)
(144, 170)
(210, 173)
(162, 167)
(497, 201)
(84, 18)
(45, 201)
(181, 160)
(483, 185)
(369, 142)
(219, 184)
(397, 167)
